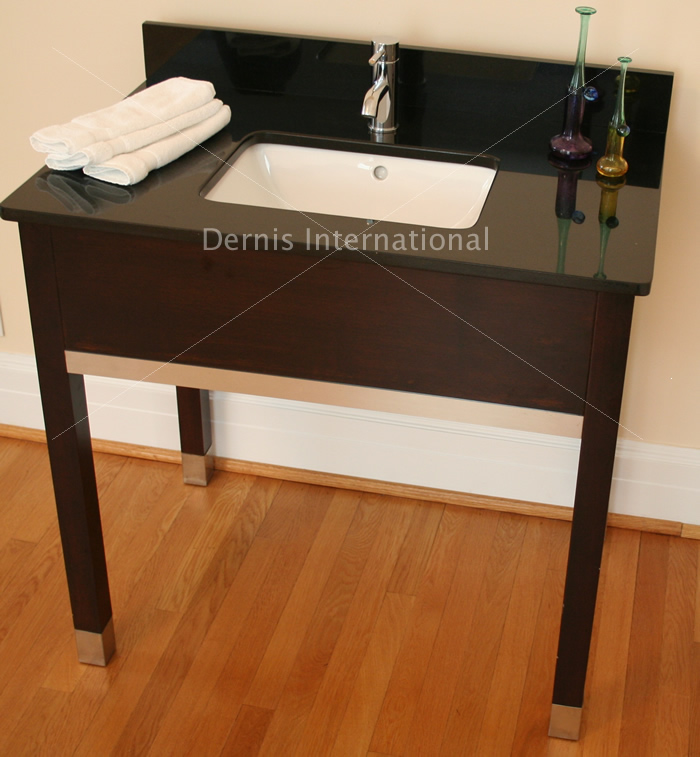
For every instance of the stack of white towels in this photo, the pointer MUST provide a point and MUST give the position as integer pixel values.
(123, 143)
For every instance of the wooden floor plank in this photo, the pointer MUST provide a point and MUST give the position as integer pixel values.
(361, 624)
(25, 472)
(140, 619)
(68, 727)
(115, 702)
(67, 670)
(276, 665)
(14, 557)
(172, 668)
(694, 718)
(531, 738)
(221, 514)
(28, 656)
(42, 564)
(462, 704)
(312, 660)
(172, 525)
(672, 727)
(248, 732)
(286, 520)
(696, 624)
(31, 650)
(646, 640)
(31, 735)
(510, 672)
(329, 705)
(34, 513)
(184, 714)
(248, 648)
(679, 616)
(610, 645)
(154, 488)
(416, 549)
(361, 714)
(432, 708)
(396, 716)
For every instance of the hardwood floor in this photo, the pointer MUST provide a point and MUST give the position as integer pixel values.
(264, 617)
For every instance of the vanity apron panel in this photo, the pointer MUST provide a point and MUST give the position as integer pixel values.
(342, 320)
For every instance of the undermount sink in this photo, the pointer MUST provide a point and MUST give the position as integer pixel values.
(357, 180)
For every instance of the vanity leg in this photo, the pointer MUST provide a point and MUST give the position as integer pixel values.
(195, 435)
(598, 439)
(70, 455)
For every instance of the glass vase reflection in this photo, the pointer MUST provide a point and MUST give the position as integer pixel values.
(607, 216)
(568, 173)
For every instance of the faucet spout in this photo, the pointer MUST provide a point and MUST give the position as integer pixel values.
(370, 105)
(379, 104)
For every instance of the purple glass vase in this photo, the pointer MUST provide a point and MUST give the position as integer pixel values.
(571, 144)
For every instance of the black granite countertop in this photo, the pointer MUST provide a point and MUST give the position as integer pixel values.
(505, 107)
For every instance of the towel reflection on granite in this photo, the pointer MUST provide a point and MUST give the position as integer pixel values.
(80, 194)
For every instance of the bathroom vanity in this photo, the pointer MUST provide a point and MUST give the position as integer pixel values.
(525, 307)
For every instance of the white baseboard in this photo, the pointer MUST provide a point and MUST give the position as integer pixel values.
(652, 481)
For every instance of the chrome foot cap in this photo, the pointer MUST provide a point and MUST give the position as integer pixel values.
(197, 469)
(565, 722)
(96, 648)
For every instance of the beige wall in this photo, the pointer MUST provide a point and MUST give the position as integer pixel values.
(59, 60)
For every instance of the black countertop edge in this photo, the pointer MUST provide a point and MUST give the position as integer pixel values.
(385, 259)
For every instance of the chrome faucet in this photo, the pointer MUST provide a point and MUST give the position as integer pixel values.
(380, 101)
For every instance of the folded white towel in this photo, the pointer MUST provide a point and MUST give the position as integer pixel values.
(132, 167)
(101, 152)
(151, 106)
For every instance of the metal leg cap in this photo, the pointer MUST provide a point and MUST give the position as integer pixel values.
(197, 469)
(96, 648)
(565, 722)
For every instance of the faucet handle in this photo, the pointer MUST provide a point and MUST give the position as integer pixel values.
(379, 53)
(386, 48)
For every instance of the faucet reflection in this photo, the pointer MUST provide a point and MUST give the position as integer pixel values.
(380, 101)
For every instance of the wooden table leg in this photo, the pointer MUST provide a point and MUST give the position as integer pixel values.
(70, 454)
(598, 439)
(195, 435)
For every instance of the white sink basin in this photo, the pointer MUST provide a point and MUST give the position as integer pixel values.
(442, 191)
